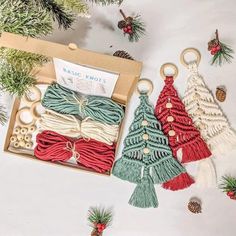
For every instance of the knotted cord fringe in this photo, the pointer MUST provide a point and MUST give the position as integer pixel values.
(54, 147)
(146, 158)
(70, 126)
(66, 101)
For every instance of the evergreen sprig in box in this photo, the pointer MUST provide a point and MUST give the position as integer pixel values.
(66, 117)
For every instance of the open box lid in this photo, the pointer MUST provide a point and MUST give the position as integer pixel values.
(129, 71)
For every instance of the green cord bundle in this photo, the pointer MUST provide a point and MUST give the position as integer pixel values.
(66, 101)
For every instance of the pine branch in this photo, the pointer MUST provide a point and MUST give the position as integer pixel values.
(228, 184)
(3, 115)
(25, 19)
(21, 60)
(138, 28)
(99, 215)
(105, 2)
(76, 6)
(14, 81)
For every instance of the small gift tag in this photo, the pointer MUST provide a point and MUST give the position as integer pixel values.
(84, 79)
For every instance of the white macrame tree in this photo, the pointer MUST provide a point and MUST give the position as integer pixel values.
(211, 122)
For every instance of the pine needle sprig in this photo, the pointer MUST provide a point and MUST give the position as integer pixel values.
(3, 115)
(228, 184)
(21, 60)
(224, 55)
(25, 19)
(99, 215)
(76, 6)
(138, 29)
(105, 2)
(14, 81)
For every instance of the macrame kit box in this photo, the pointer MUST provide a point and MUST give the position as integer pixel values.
(128, 72)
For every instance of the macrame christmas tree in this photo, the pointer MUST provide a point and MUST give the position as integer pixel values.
(207, 115)
(146, 158)
(184, 139)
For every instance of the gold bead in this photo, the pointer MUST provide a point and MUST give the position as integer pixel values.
(145, 136)
(146, 150)
(171, 133)
(144, 123)
(169, 105)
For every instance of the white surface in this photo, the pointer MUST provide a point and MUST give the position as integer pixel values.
(43, 200)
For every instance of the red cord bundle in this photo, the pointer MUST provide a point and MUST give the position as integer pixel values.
(89, 153)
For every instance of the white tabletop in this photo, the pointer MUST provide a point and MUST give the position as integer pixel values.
(44, 200)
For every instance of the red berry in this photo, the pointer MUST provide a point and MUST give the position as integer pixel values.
(218, 48)
(213, 52)
(233, 197)
(125, 29)
(231, 194)
(130, 31)
(129, 27)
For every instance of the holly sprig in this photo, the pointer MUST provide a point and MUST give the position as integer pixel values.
(222, 53)
(228, 186)
(99, 218)
(134, 27)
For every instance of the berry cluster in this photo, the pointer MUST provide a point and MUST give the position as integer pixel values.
(100, 227)
(215, 49)
(231, 195)
(128, 29)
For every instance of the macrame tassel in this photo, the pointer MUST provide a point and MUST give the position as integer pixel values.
(134, 170)
(195, 150)
(179, 182)
(144, 195)
(206, 176)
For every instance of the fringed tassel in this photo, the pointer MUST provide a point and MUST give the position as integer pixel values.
(144, 195)
(128, 170)
(181, 181)
(224, 142)
(166, 169)
(195, 151)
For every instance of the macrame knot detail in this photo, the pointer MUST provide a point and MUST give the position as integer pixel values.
(169, 80)
(193, 68)
(71, 148)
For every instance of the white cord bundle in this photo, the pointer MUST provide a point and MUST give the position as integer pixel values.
(207, 115)
(70, 126)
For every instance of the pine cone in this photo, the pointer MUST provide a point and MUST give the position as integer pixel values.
(221, 93)
(213, 43)
(194, 206)
(129, 20)
(96, 233)
(121, 24)
(123, 54)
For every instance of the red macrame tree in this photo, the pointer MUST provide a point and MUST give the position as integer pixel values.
(183, 137)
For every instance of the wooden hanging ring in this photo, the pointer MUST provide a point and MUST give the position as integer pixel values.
(148, 83)
(190, 50)
(33, 110)
(169, 65)
(37, 93)
(22, 123)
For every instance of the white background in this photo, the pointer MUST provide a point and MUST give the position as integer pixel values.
(37, 199)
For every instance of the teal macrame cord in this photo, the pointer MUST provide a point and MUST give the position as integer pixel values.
(146, 158)
(66, 101)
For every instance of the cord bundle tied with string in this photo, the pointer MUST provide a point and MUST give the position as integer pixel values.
(92, 154)
(146, 158)
(66, 101)
(185, 140)
(70, 126)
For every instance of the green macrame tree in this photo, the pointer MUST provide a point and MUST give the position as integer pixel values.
(146, 158)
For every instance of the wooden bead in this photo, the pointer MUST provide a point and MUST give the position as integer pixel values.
(145, 136)
(32, 129)
(28, 137)
(169, 105)
(144, 123)
(170, 119)
(20, 137)
(22, 143)
(29, 145)
(17, 130)
(13, 138)
(23, 130)
(171, 133)
(16, 144)
(146, 150)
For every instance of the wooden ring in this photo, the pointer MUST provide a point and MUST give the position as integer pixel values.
(190, 50)
(36, 91)
(33, 110)
(146, 82)
(18, 118)
(170, 65)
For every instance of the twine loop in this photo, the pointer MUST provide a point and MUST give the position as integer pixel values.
(71, 148)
